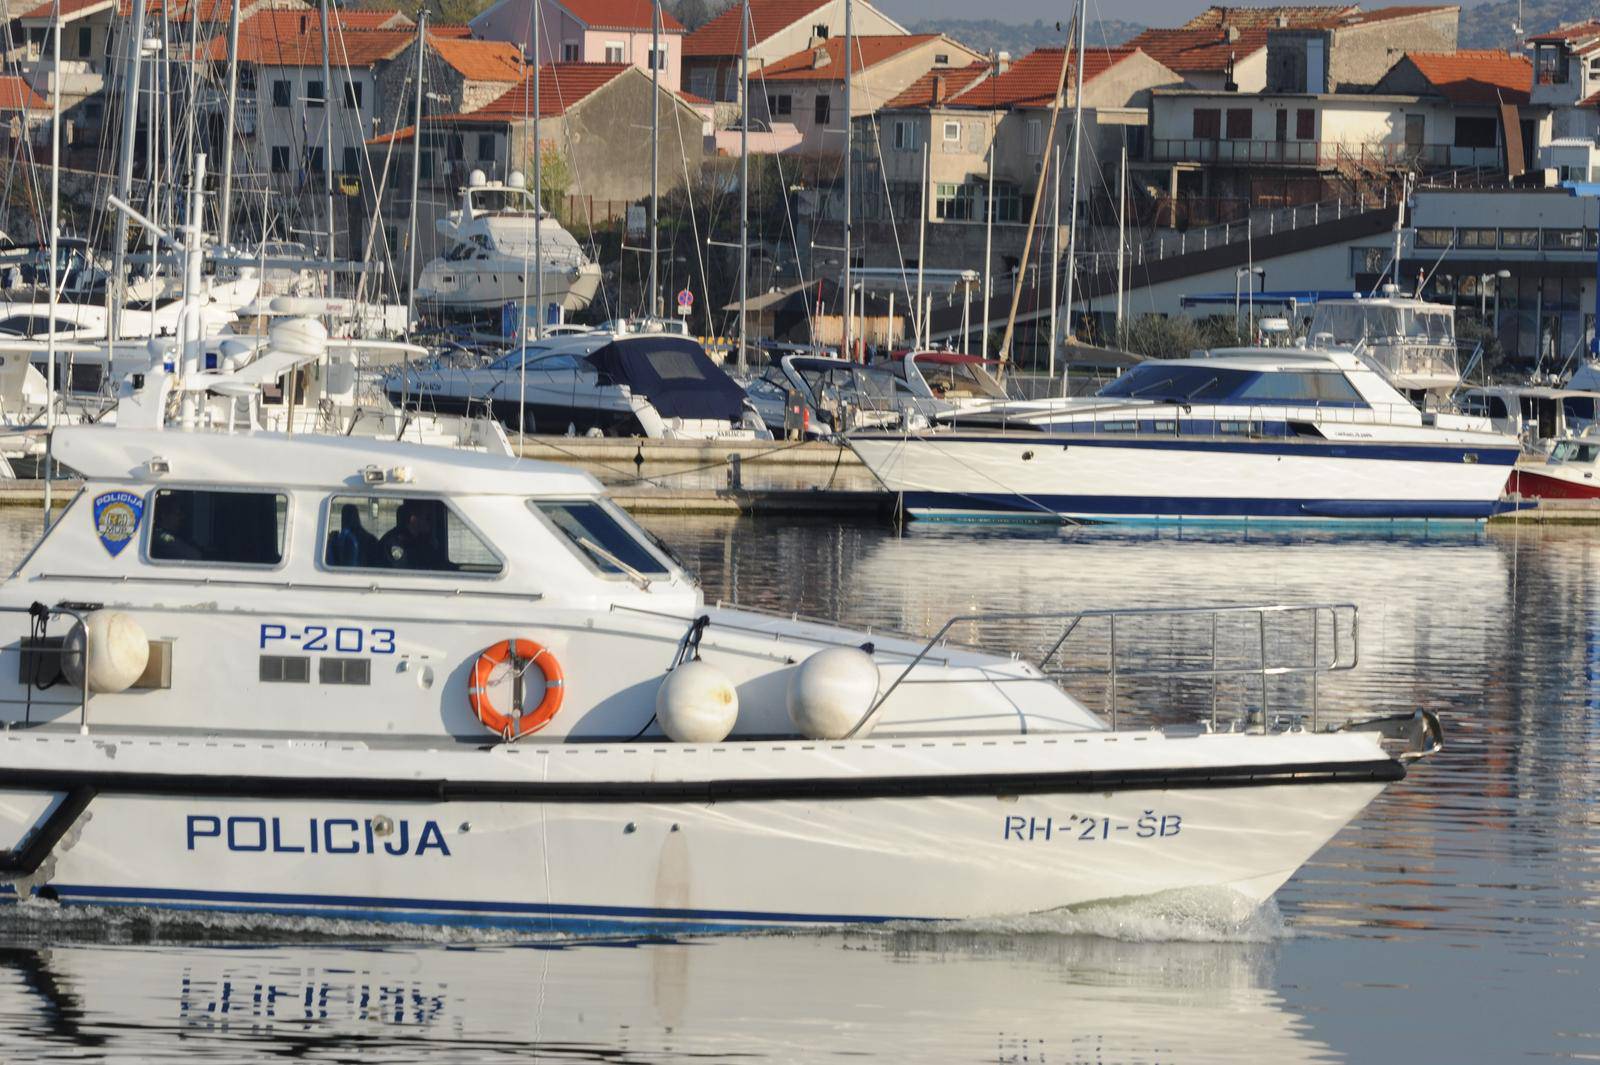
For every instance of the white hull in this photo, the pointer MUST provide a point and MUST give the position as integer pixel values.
(490, 285)
(1146, 478)
(762, 835)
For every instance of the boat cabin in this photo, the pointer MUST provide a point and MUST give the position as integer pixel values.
(1410, 341)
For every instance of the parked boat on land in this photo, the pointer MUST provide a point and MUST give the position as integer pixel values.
(306, 664)
(1248, 434)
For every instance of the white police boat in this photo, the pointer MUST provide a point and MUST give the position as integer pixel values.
(353, 678)
(1241, 434)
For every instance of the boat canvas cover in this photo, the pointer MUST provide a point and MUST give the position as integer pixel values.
(674, 374)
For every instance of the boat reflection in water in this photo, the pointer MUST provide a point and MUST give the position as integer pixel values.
(898, 995)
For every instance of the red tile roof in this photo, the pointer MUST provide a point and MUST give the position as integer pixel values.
(956, 81)
(826, 61)
(1201, 50)
(619, 15)
(481, 60)
(1201, 45)
(294, 39)
(720, 36)
(1268, 17)
(1476, 77)
(1571, 32)
(1032, 80)
(561, 87)
(17, 95)
(69, 9)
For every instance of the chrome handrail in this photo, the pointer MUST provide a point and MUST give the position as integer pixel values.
(1341, 658)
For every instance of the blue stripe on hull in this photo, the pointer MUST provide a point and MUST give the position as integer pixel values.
(1006, 506)
(1487, 454)
(549, 917)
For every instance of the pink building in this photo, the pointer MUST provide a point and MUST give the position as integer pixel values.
(589, 31)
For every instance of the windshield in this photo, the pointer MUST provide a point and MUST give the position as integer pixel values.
(609, 542)
(1350, 323)
(1573, 451)
(1188, 382)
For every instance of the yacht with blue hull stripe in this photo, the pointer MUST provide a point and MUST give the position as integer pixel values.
(1254, 434)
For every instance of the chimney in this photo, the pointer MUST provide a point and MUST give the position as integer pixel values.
(1002, 62)
(820, 58)
(1283, 22)
(938, 88)
(1231, 34)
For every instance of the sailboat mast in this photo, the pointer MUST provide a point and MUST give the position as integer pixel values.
(922, 243)
(225, 221)
(655, 144)
(327, 129)
(849, 151)
(416, 172)
(744, 177)
(538, 216)
(116, 289)
(1077, 158)
(55, 234)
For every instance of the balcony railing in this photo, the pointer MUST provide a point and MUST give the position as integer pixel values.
(1321, 153)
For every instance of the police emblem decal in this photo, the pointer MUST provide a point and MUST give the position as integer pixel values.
(116, 519)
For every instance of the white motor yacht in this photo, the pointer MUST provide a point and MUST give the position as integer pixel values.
(1247, 434)
(490, 255)
(341, 677)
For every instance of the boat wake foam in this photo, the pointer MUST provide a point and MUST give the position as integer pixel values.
(1199, 915)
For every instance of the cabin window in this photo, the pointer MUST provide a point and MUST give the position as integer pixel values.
(208, 525)
(413, 533)
(1519, 238)
(602, 538)
(1435, 236)
(1475, 238)
(1300, 387)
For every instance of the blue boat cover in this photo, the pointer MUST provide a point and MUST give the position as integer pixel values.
(673, 373)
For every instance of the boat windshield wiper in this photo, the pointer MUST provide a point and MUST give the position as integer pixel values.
(638, 578)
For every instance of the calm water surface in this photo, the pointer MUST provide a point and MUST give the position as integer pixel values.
(1457, 920)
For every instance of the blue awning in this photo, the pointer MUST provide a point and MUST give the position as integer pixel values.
(1302, 297)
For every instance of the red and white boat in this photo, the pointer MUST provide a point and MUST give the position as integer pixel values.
(1572, 471)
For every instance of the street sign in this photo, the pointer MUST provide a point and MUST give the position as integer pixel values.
(685, 299)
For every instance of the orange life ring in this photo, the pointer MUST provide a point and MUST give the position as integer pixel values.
(517, 723)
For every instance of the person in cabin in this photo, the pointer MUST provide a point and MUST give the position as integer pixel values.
(413, 543)
(353, 545)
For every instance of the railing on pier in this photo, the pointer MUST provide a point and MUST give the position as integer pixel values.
(1205, 643)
